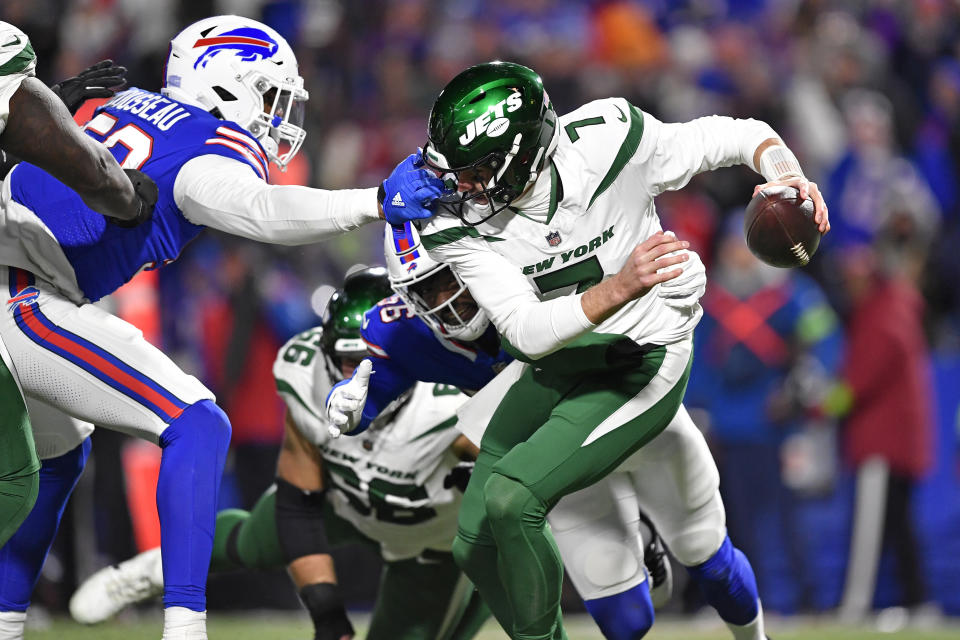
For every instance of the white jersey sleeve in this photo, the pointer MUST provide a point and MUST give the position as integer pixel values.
(669, 155)
(303, 382)
(224, 194)
(17, 62)
(533, 327)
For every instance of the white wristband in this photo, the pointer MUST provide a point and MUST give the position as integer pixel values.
(778, 162)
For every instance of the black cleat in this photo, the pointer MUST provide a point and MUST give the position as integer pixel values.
(658, 567)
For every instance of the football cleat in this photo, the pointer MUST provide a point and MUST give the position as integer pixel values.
(110, 590)
(658, 567)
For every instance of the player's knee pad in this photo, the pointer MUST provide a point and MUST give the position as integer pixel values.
(510, 503)
(596, 530)
(627, 615)
(601, 567)
(466, 553)
(299, 521)
(701, 534)
(203, 424)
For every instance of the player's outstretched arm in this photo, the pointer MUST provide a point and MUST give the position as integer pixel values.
(227, 195)
(40, 130)
(678, 151)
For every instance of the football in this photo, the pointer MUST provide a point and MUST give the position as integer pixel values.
(780, 229)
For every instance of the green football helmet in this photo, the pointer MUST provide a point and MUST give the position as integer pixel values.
(494, 120)
(363, 287)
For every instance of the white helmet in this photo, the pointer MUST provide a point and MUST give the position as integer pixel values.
(226, 65)
(409, 266)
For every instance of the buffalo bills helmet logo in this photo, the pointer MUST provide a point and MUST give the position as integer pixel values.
(553, 238)
(24, 298)
(411, 267)
(247, 43)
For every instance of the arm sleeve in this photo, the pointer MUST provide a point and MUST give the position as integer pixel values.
(225, 194)
(533, 327)
(671, 154)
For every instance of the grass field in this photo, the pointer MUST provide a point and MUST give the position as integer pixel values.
(268, 626)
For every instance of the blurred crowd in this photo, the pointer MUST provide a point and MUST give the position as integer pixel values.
(805, 380)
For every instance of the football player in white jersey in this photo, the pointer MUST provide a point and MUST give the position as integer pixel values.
(386, 488)
(553, 228)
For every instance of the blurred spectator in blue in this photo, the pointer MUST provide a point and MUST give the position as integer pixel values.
(872, 182)
(767, 348)
(937, 154)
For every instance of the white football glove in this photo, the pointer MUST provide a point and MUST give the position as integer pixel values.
(346, 401)
(685, 290)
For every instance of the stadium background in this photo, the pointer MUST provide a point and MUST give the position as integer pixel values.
(866, 92)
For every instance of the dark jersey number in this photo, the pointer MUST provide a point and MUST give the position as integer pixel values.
(584, 274)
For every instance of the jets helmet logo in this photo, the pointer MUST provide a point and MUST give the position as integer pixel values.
(486, 123)
(247, 43)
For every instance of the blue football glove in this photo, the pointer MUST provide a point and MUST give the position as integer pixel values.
(410, 191)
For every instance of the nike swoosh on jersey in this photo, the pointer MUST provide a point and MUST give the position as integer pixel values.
(623, 116)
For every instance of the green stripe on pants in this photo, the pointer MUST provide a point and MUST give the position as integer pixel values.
(556, 432)
(19, 464)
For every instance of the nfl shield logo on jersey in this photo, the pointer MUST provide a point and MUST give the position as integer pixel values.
(553, 238)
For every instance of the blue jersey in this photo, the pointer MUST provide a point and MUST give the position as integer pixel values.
(156, 135)
(406, 350)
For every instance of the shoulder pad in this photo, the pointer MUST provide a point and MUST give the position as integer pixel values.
(391, 330)
(16, 52)
(596, 142)
(299, 373)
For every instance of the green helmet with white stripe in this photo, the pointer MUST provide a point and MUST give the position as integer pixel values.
(494, 121)
(363, 287)
(16, 52)
(17, 60)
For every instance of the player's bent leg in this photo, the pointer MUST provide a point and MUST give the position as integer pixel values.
(194, 451)
(100, 369)
(423, 597)
(248, 539)
(518, 521)
(19, 465)
(21, 559)
(474, 549)
(595, 425)
(627, 615)
(597, 531)
(729, 586)
(677, 485)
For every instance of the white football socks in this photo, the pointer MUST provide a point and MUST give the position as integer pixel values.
(11, 624)
(752, 630)
(180, 623)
